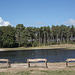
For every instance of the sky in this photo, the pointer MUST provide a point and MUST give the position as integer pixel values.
(37, 13)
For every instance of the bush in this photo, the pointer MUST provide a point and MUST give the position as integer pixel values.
(53, 43)
(63, 42)
(29, 44)
(71, 42)
(35, 44)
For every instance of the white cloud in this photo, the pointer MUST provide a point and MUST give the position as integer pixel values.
(1, 20)
(4, 23)
(70, 22)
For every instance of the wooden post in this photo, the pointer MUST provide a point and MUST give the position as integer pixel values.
(28, 64)
(66, 63)
(9, 63)
(46, 63)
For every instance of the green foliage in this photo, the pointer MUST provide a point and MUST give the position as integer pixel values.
(20, 39)
(8, 36)
(64, 42)
(21, 36)
(53, 43)
(29, 44)
(35, 44)
(0, 37)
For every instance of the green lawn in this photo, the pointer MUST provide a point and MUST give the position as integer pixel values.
(42, 72)
(18, 73)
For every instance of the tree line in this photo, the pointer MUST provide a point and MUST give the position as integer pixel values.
(20, 35)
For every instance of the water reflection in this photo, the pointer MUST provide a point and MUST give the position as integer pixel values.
(52, 55)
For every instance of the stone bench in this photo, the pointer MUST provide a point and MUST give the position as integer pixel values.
(36, 60)
(6, 60)
(68, 60)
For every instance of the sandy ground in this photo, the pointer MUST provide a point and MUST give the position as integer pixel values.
(2, 49)
(35, 66)
(66, 46)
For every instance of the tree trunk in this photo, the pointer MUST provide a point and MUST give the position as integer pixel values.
(67, 37)
(56, 37)
(39, 38)
(44, 39)
(19, 39)
(48, 37)
(72, 37)
(61, 37)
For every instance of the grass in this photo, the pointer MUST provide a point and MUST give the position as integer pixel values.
(42, 72)
(61, 46)
(18, 73)
(23, 73)
(63, 72)
(4, 73)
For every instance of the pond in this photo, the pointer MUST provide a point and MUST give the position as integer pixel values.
(52, 55)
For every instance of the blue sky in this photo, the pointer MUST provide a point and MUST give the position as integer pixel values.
(36, 13)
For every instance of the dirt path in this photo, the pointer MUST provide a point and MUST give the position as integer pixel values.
(34, 66)
(2, 49)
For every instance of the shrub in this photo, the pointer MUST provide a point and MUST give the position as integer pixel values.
(29, 44)
(35, 44)
(53, 43)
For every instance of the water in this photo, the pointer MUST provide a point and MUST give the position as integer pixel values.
(52, 55)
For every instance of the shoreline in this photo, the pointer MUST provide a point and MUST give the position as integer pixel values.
(61, 46)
